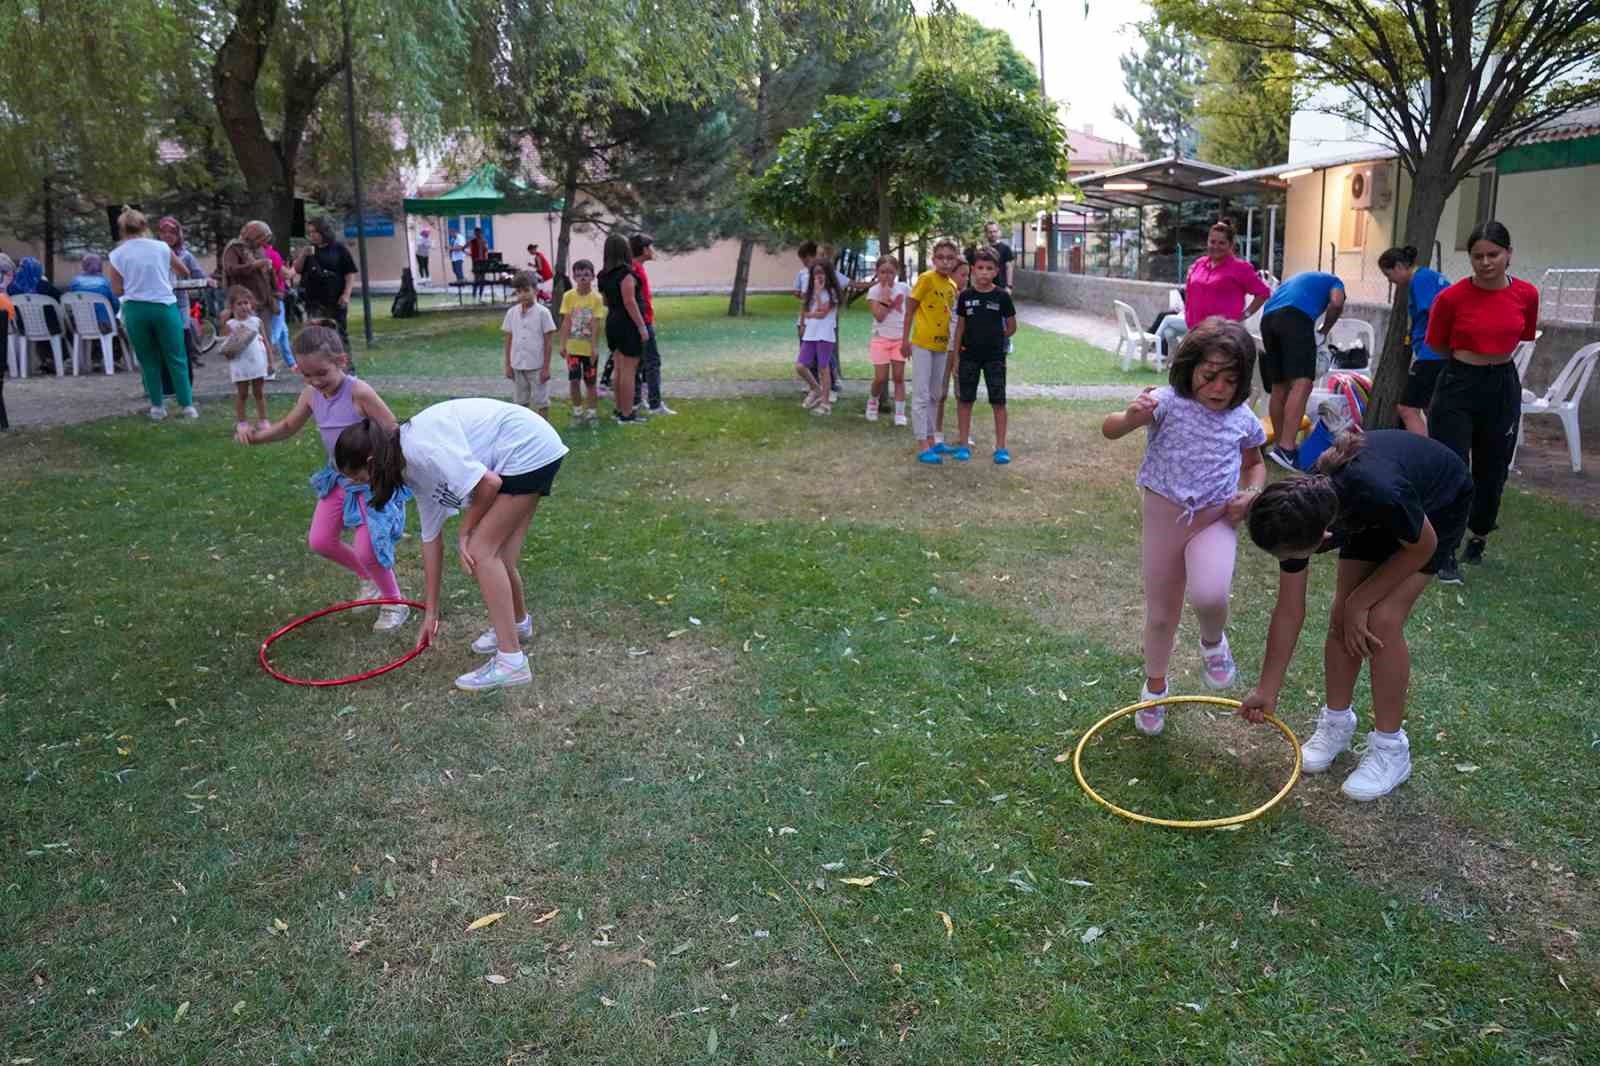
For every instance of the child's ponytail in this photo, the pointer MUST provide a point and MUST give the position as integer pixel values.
(1293, 515)
(1340, 452)
(367, 446)
(320, 340)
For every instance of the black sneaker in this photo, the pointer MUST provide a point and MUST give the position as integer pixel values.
(1449, 573)
(1285, 458)
(1474, 552)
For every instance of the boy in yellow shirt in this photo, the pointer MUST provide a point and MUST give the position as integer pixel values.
(582, 310)
(926, 338)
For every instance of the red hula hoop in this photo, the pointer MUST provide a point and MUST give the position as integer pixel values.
(352, 679)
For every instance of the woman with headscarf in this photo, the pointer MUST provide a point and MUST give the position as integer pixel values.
(29, 280)
(170, 230)
(91, 279)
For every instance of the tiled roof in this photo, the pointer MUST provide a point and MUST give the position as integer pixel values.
(1584, 122)
(1087, 148)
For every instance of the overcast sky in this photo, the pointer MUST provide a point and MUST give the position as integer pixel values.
(1080, 54)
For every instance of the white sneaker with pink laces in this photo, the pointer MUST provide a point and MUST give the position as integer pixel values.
(1219, 667)
(1152, 720)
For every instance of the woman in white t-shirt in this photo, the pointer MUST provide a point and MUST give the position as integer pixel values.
(141, 273)
(492, 458)
(887, 298)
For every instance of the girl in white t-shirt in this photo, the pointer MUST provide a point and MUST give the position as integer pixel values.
(246, 349)
(492, 458)
(818, 335)
(887, 299)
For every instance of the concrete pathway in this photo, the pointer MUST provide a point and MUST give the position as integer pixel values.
(1092, 329)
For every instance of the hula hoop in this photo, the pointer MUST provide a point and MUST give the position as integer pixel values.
(1174, 823)
(266, 664)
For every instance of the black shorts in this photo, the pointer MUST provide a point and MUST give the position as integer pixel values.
(1288, 347)
(533, 483)
(992, 365)
(622, 336)
(580, 368)
(1424, 375)
(1449, 525)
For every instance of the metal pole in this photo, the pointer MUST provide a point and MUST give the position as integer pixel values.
(355, 170)
(1272, 240)
(1250, 234)
(1040, 12)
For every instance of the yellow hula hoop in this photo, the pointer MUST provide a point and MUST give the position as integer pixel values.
(1174, 823)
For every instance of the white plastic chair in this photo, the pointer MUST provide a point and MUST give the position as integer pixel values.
(1269, 279)
(1175, 301)
(1135, 344)
(16, 353)
(80, 308)
(30, 309)
(1561, 399)
(1522, 355)
(1364, 331)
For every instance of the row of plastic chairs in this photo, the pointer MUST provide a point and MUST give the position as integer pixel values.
(1561, 399)
(81, 312)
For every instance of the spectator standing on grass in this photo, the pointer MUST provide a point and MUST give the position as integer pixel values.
(327, 274)
(142, 269)
(985, 320)
(1219, 283)
(530, 335)
(244, 265)
(424, 249)
(887, 299)
(926, 340)
(170, 230)
(643, 247)
(581, 312)
(278, 328)
(458, 254)
(1290, 339)
(1423, 285)
(625, 325)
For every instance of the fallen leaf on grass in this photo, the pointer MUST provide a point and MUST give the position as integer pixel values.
(606, 1001)
(356, 948)
(676, 633)
(949, 926)
(280, 925)
(1466, 768)
(1091, 934)
(1064, 756)
(1080, 884)
(859, 882)
(711, 1042)
(546, 916)
(487, 919)
(496, 979)
(177, 1015)
(681, 948)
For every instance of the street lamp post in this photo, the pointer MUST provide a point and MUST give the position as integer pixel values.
(355, 171)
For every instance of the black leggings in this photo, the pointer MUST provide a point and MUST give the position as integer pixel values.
(1475, 413)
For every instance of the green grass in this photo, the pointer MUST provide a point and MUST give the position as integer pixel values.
(767, 653)
(700, 342)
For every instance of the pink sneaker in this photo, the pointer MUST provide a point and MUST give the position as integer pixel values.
(1219, 667)
(1152, 720)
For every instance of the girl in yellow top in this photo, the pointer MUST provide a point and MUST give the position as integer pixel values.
(926, 340)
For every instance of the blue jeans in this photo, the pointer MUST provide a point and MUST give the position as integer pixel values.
(456, 266)
(280, 335)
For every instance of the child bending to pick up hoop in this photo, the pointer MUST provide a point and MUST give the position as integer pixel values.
(1202, 466)
(1395, 504)
(494, 459)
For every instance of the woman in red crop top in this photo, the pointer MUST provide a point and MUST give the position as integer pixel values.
(1477, 405)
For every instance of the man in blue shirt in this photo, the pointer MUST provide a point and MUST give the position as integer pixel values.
(1289, 341)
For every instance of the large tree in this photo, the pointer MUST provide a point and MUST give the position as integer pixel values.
(1162, 76)
(1246, 98)
(1446, 83)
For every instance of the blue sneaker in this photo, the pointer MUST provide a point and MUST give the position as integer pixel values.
(942, 448)
(962, 453)
(1002, 456)
(931, 457)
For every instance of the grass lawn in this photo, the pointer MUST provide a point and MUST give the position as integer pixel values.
(700, 342)
(788, 657)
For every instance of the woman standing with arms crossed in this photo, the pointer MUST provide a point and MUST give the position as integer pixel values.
(1219, 284)
(141, 274)
(1477, 403)
(625, 326)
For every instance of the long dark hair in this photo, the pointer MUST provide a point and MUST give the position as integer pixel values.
(829, 282)
(616, 253)
(1406, 256)
(1295, 513)
(1491, 231)
(367, 446)
(1215, 336)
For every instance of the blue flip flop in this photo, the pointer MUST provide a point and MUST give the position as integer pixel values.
(1002, 456)
(931, 457)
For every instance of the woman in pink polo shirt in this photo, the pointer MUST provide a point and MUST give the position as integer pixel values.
(1218, 285)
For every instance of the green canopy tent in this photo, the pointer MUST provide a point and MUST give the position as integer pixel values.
(480, 197)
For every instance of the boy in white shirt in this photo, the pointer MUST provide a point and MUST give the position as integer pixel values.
(530, 333)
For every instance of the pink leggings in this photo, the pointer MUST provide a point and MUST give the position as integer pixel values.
(1196, 554)
(327, 540)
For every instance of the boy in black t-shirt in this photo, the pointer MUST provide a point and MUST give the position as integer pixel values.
(985, 319)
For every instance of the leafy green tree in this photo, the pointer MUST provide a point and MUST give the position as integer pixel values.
(1447, 85)
(870, 166)
(1163, 78)
(962, 43)
(1246, 98)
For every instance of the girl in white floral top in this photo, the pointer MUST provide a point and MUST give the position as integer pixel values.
(1202, 465)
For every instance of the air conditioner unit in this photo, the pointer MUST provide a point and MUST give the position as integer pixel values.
(1369, 188)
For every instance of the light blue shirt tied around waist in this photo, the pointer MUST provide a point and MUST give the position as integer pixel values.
(385, 525)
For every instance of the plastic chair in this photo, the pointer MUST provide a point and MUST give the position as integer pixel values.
(30, 309)
(1174, 301)
(1522, 355)
(1561, 399)
(1135, 343)
(1269, 279)
(1364, 331)
(80, 308)
(16, 351)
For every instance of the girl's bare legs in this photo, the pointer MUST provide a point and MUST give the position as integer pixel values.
(241, 389)
(498, 582)
(880, 378)
(258, 387)
(626, 369)
(804, 373)
(1391, 664)
(897, 367)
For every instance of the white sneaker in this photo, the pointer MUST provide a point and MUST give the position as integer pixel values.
(495, 674)
(191, 411)
(812, 399)
(157, 413)
(662, 409)
(822, 409)
(872, 410)
(1334, 730)
(1384, 767)
(392, 616)
(1152, 720)
(1219, 666)
(487, 643)
(900, 418)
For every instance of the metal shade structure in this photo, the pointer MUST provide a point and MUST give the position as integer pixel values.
(1166, 182)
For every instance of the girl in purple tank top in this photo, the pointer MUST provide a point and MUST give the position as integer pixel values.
(334, 400)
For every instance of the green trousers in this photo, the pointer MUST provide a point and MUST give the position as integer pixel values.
(156, 333)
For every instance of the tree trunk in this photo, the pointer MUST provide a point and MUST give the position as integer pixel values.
(1430, 187)
(741, 277)
(569, 208)
(47, 204)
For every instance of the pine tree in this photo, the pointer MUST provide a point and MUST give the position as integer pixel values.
(1246, 96)
(1163, 79)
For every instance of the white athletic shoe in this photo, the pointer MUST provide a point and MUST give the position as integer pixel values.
(391, 616)
(487, 643)
(157, 413)
(191, 411)
(813, 397)
(1334, 730)
(496, 674)
(1152, 720)
(1384, 767)
(1219, 666)
(872, 410)
(900, 418)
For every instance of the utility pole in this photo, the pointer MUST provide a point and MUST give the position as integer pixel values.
(355, 170)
